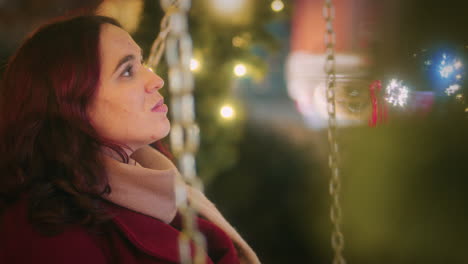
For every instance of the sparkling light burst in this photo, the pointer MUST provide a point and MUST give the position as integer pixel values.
(396, 93)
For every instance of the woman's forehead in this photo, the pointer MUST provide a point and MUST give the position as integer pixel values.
(114, 44)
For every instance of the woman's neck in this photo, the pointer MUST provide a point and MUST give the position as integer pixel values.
(147, 188)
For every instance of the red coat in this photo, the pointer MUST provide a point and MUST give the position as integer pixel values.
(129, 238)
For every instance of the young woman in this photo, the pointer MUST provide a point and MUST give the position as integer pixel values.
(79, 182)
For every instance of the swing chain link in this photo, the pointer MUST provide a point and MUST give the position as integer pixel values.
(337, 239)
(175, 39)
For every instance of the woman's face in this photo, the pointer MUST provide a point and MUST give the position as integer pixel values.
(127, 107)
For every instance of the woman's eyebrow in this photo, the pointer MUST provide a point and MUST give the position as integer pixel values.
(128, 58)
(124, 60)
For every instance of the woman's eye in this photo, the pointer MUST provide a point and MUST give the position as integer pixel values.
(128, 72)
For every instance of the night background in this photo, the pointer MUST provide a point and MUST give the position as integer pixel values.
(259, 89)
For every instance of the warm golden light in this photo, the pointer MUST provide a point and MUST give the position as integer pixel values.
(230, 11)
(227, 112)
(194, 65)
(240, 70)
(277, 5)
(238, 41)
(242, 40)
(229, 7)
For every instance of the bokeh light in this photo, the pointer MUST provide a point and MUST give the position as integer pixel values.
(452, 89)
(277, 5)
(230, 11)
(229, 7)
(194, 65)
(240, 70)
(227, 112)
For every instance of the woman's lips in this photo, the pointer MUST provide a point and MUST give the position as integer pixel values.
(160, 107)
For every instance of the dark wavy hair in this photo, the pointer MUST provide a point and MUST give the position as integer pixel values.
(48, 148)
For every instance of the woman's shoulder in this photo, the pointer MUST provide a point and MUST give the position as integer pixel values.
(21, 243)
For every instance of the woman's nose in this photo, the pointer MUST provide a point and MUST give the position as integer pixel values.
(154, 83)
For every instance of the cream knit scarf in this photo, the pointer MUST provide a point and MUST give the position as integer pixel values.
(146, 185)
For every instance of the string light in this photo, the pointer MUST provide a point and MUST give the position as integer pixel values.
(240, 70)
(194, 65)
(277, 5)
(396, 93)
(227, 112)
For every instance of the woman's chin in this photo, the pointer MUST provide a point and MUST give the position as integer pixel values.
(159, 136)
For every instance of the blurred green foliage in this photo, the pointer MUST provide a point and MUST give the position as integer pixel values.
(404, 191)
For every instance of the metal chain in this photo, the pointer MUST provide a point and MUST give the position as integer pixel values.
(337, 239)
(160, 42)
(184, 137)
